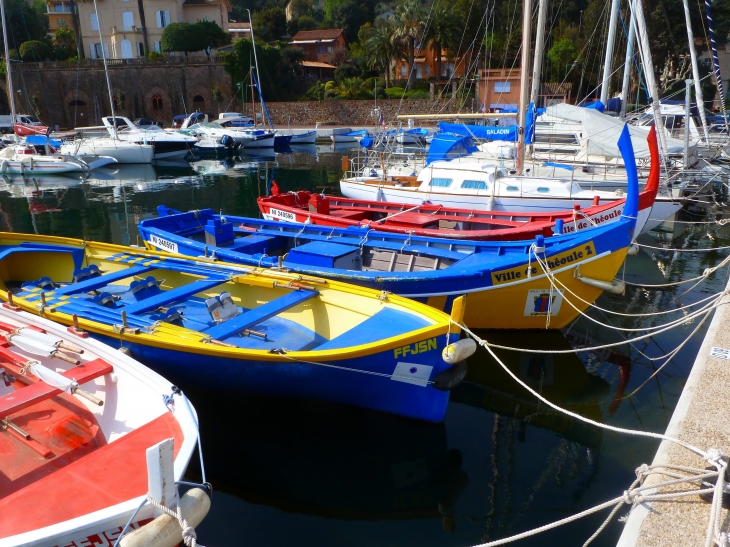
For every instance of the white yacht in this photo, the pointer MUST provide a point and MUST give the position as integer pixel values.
(122, 151)
(166, 144)
(468, 184)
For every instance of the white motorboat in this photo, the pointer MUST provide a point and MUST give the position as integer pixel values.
(78, 416)
(214, 135)
(166, 144)
(120, 150)
(303, 137)
(24, 159)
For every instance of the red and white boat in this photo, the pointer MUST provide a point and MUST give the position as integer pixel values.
(26, 125)
(73, 467)
(432, 220)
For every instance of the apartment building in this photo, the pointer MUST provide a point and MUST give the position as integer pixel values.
(120, 23)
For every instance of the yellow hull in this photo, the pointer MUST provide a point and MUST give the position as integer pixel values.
(512, 305)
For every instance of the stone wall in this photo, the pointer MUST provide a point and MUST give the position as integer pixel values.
(70, 97)
(353, 112)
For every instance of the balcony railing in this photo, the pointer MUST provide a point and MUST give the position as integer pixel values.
(137, 61)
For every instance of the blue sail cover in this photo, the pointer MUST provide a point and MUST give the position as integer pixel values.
(491, 133)
(447, 146)
(485, 132)
(42, 140)
(596, 105)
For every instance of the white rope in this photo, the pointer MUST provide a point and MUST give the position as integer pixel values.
(633, 495)
(685, 250)
(188, 532)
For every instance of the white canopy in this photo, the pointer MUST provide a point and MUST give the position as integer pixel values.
(602, 132)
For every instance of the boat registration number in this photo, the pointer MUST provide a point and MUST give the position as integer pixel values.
(284, 215)
(165, 245)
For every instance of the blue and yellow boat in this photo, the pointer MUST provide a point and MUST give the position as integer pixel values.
(507, 282)
(233, 328)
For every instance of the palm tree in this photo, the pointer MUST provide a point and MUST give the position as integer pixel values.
(443, 32)
(380, 49)
(143, 26)
(408, 26)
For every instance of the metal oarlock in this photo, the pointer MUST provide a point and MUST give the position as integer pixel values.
(10, 305)
(76, 330)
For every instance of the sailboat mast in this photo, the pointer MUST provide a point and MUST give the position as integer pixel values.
(637, 11)
(524, 83)
(627, 67)
(11, 89)
(255, 61)
(695, 76)
(539, 46)
(106, 71)
(609, 52)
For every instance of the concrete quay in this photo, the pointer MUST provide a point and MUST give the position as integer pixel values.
(700, 419)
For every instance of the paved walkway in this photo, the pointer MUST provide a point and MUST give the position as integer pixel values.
(702, 418)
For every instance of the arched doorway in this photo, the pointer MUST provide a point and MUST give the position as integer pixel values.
(79, 113)
(198, 103)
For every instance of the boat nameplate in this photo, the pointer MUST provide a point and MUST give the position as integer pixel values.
(164, 244)
(412, 373)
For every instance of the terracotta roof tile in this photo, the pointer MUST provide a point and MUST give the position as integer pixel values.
(325, 34)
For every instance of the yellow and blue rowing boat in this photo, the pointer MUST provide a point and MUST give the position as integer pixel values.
(233, 328)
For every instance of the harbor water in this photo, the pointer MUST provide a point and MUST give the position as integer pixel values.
(297, 471)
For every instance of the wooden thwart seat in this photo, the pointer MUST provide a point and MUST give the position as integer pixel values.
(40, 391)
(258, 315)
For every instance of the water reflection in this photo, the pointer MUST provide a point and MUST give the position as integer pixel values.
(501, 462)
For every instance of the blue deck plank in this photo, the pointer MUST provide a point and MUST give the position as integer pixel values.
(106, 279)
(257, 315)
(173, 295)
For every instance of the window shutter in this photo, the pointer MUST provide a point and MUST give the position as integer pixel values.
(159, 19)
(158, 47)
(167, 17)
(94, 22)
(106, 50)
(92, 51)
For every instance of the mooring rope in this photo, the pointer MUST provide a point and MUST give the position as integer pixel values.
(635, 494)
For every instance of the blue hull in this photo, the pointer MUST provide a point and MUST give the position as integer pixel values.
(309, 381)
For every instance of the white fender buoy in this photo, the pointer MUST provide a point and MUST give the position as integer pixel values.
(633, 250)
(165, 530)
(4, 166)
(616, 286)
(458, 351)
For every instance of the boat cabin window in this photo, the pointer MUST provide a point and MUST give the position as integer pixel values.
(475, 184)
(543, 189)
(443, 183)
(556, 138)
(30, 120)
(118, 122)
(512, 188)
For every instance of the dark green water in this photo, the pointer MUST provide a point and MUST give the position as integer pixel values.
(318, 474)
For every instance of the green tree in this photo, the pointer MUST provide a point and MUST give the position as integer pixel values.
(181, 37)
(444, 31)
(213, 36)
(26, 21)
(409, 22)
(199, 36)
(269, 23)
(64, 44)
(34, 50)
(561, 55)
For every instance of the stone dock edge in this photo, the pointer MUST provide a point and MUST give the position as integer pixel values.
(702, 419)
